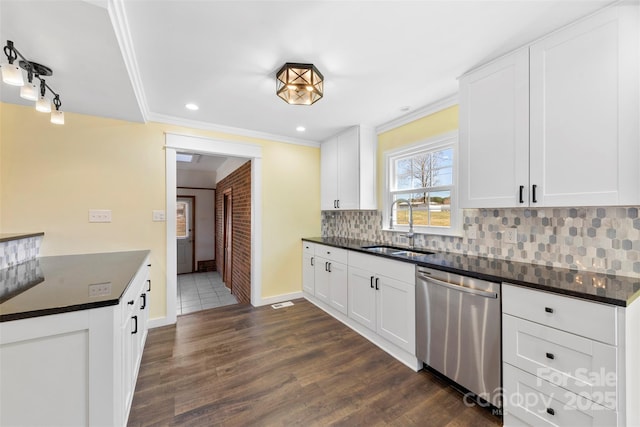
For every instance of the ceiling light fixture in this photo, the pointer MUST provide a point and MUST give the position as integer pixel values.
(191, 106)
(299, 84)
(12, 75)
(301, 128)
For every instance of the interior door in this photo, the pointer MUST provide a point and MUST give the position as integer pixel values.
(185, 233)
(227, 238)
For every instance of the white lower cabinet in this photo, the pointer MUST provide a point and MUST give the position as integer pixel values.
(77, 368)
(373, 295)
(308, 267)
(568, 361)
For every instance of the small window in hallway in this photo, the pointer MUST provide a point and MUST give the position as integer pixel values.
(182, 219)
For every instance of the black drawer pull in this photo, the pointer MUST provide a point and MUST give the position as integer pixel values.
(550, 411)
(522, 194)
(377, 280)
(130, 302)
(551, 356)
(533, 193)
(548, 309)
(329, 270)
(312, 264)
(149, 285)
(135, 329)
(144, 301)
(371, 282)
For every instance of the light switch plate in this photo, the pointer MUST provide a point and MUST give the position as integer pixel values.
(159, 216)
(99, 215)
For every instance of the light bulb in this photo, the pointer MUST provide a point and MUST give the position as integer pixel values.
(57, 117)
(43, 104)
(12, 74)
(29, 91)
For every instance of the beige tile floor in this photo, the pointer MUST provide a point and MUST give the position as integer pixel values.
(201, 291)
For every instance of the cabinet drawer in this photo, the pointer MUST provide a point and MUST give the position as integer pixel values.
(536, 402)
(331, 253)
(137, 287)
(585, 318)
(308, 248)
(399, 270)
(579, 364)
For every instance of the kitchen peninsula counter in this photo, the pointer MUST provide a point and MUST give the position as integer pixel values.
(60, 284)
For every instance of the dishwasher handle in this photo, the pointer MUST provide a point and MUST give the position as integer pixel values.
(459, 288)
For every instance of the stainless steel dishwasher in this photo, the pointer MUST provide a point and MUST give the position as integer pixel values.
(459, 330)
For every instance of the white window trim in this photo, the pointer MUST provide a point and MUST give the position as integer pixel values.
(449, 139)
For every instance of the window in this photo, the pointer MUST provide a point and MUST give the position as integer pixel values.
(424, 176)
(182, 220)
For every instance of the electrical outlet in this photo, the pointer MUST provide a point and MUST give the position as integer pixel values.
(99, 215)
(510, 235)
(472, 231)
(158, 216)
(100, 289)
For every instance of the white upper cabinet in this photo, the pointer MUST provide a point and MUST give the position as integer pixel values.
(347, 170)
(494, 133)
(557, 123)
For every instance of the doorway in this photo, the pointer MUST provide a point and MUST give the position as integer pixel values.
(227, 238)
(185, 234)
(175, 143)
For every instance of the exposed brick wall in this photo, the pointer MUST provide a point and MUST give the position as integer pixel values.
(239, 182)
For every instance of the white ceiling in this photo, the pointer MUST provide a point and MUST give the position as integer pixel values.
(143, 60)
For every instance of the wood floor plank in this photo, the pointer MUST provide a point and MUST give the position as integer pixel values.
(245, 366)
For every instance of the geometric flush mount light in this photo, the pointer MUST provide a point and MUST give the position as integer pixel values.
(299, 84)
(12, 75)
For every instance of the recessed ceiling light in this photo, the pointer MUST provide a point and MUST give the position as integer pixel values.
(191, 106)
(301, 128)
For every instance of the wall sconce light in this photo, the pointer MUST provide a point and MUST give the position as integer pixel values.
(12, 75)
(299, 84)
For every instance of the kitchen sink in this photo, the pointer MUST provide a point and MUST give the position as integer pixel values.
(400, 252)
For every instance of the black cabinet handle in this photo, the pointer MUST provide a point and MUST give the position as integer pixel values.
(135, 329)
(148, 285)
(130, 302)
(148, 265)
(371, 282)
(548, 309)
(377, 279)
(551, 356)
(338, 203)
(326, 266)
(522, 194)
(312, 263)
(329, 270)
(550, 411)
(533, 193)
(144, 301)
(335, 204)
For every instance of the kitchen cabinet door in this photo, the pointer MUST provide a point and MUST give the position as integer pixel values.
(584, 112)
(308, 273)
(321, 279)
(338, 294)
(348, 169)
(494, 134)
(329, 174)
(396, 312)
(362, 297)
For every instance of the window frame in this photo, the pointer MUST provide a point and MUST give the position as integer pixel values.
(437, 143)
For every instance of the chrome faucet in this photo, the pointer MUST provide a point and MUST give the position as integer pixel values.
(410, 234)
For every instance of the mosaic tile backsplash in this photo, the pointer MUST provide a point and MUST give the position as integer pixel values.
(17, 251)
(604, 239)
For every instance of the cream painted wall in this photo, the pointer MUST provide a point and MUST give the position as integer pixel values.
(50, 176)
(434, 124)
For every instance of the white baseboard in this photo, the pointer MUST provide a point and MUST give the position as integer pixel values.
(160, 321)
(279, 298)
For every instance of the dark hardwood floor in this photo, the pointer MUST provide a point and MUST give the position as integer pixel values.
(245, 366)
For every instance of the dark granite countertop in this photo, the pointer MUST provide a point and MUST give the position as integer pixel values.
(60, 284)
(7, 237)
(615, 290)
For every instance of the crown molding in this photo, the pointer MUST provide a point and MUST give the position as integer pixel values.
(120, 26)
(195, 124)
(419, 113)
